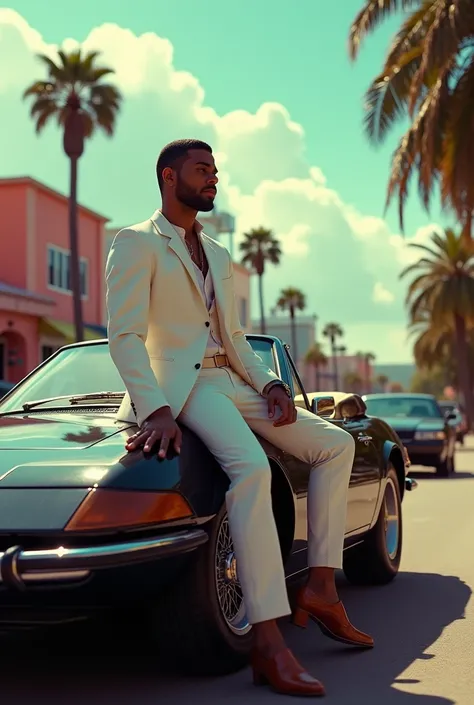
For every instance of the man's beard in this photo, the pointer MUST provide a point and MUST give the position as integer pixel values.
(191, 199)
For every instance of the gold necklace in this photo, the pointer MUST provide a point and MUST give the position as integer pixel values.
(191, 251)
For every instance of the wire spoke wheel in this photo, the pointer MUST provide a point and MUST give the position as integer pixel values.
(228, 587)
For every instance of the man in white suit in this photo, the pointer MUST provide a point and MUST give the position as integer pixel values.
(176, 339)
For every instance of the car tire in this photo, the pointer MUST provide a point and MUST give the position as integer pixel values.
(376, 560)
(445, 468)
(193, 621)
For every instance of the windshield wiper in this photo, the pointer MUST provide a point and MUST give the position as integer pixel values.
(27, 406)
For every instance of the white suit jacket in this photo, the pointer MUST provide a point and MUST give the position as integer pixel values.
(157, 318)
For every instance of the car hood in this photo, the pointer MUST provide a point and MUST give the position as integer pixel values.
(54, 431)
(413, 423)
(49, 462)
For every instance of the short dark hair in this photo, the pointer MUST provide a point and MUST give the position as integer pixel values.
(173, 152)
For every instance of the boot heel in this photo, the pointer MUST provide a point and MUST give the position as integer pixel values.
(259, 678)
(300, 618)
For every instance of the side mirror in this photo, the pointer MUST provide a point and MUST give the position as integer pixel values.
(451, 416)
(323, 406)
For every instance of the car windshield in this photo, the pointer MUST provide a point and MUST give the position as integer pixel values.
(402, 406)
(85, 369)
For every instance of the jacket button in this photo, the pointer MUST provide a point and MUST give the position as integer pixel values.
(207, 324)
(197, 365)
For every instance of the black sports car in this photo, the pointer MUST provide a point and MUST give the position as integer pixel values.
(85, 526)
(425, 430)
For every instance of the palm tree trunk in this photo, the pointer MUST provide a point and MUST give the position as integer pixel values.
(318, 378)
(464, 381)
(334, 364)
(74, 245)
(293, 334)
(263, 328)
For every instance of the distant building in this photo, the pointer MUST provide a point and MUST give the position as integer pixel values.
(36, 312)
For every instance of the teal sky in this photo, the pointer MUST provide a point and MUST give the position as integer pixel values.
(254, 51)
(243, 55)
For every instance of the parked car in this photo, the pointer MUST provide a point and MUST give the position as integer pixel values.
(458, 418)
(5, 387)
(422, 426)
(85, 525)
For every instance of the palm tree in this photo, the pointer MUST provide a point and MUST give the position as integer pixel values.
(367, 359)
(333, 331)
(317, 359)
(428, 76)
(382, 381)
(444, 286)
(259, 246)
(75, 95)
(435, 348)
(292, 300)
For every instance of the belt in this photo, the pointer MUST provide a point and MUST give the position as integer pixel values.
(215, 361)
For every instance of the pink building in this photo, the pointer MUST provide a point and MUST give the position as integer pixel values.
(36, 315)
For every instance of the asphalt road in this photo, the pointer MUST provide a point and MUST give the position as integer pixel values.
(422, 623)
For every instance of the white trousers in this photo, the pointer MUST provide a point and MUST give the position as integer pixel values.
(223, 410)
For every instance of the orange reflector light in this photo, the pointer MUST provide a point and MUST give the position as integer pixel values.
(114, 509)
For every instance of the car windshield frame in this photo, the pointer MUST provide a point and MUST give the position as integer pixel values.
(32, 388)
(390, 400)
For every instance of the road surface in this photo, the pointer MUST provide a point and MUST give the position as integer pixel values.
(423, 626)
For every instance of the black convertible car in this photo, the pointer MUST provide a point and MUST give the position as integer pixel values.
(87, 527)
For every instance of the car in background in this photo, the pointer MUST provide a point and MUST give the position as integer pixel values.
(87, 528)
(5, 387)
(423, 427)
(458, 421)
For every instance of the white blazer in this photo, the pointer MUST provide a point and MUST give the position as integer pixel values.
(157, 318)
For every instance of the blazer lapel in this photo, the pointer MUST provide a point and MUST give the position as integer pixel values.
(213, 261)
(176, 244)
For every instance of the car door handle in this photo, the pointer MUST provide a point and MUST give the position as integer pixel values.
(363, 438)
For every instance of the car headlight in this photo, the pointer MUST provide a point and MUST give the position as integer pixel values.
(429, 436)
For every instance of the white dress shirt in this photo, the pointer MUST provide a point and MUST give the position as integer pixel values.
(214, 344)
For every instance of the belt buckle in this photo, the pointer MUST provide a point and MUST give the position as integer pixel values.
(216, 360)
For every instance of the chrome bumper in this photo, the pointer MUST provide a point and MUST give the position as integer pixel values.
(18, 567)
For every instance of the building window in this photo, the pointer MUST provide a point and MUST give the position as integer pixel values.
(59, 270)
(243, 311)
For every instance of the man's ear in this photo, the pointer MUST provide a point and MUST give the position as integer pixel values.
(168, 176)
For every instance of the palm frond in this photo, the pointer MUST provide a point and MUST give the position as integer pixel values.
(75, 85)
(457, 185)
(412, 31)
(370, 17)
(387, 97)
(452, 22)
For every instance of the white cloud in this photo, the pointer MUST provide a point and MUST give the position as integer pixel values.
(381, 295)
(336, 254)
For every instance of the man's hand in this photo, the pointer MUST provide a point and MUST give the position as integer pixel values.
(277, 397)
(159, 427)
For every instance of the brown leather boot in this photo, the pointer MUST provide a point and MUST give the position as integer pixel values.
(332, 619)
(283, 674)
